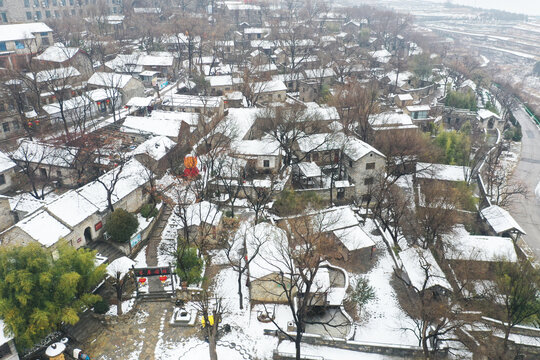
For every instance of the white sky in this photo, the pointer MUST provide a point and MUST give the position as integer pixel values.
(529, 7)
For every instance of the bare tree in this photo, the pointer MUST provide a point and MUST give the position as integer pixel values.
(212, 310)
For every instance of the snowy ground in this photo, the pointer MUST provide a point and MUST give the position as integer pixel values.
(383, 320)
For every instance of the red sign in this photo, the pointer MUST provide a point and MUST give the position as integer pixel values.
(153, 271)
(79, 240)
(98, 226)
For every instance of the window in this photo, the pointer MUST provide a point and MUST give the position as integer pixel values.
(26, 3)
(370, 166)
(4, 17)
(19, 44)
(16, 125)
(36, 3)
(47, 14)
(266, 163)
(58, 173)
(55, 2)
(38, 15)
(350, 163)
(368, 181)
(43, 172)
(71, 2)
(1, 3)
(2, 179)
(5, 127)
(56, 14)
(45, 41)
(72, 11)
(28, 15)
(3, 46)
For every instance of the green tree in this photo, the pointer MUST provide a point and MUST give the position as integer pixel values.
(455, 146)
(461, 100)
(517, 287)
(121, 225)
(422, 66)
(189, 265)
(292, 202)
(39, 294)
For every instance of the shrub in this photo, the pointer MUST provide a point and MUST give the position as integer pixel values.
(189, 265)
(148, 211)
(121, 225)
(362, 292)
(101, 307)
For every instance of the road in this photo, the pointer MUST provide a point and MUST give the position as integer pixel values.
(526, 210)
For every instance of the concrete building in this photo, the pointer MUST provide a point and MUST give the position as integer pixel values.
(18, 40)
(14, 11)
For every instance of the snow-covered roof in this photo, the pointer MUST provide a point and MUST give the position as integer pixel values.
(460, 245)
(120, 266)
(203, 212)
(500, 219)
(191, 101)
(335, 218)
(156, 126)
(46, 154)
(486, 114)
(309, 169)
(441, 172)
(319, 73)
(238, 122)
(151, 60)
(416, 261)
(5, 162)
(382, 56)
(55, 74)
(402, 78)
(13, 32)
(220, 80)
(469, 83)
(25, 203)
(58, 53)
(70, 104)
(391, 119)
(263, 147)
(148, 73)
(156, 147)
(268, 86)
(140, 101)
(404, 97)
(354, 238)
(71, 208)
(272, 245)
(43, 227)
(316, 112)
(192, 119)
(133, 175)
(414, 108)
(353, 147)
(112, 80)
(3, 337)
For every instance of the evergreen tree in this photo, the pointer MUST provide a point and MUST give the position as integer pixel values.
(38, 294)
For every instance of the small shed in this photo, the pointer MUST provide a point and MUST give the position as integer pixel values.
(501, 222)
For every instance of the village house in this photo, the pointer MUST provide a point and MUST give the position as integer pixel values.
(51, 163)
(7, 173)
(156, 154)
(77, 217)
(59, 55)
(269, 91)
(476, 256)
(127, 85)
(490, 120)
(165, 65)
(422, 271)
(420, 115)
(207, 105)
(177, 128)
(403, 100)
(361, 161)
(262, 156)
(7, 218)
(19, 40)
(391, 121)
